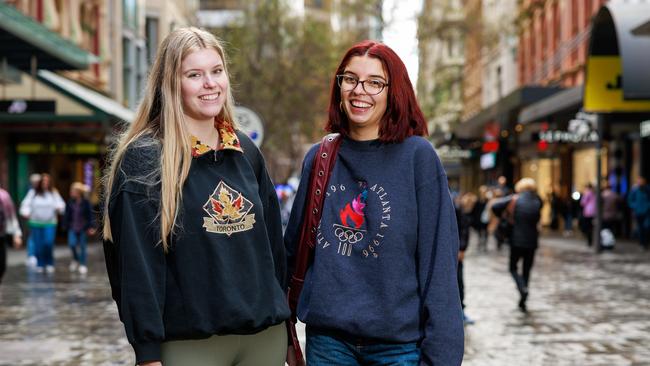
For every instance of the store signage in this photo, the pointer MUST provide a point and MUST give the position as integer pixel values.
(54, 148)
(488, 161)
(449, 153)
(604, 88)
(490, 146)
(568, 136)
(20, 106)
(645, 128)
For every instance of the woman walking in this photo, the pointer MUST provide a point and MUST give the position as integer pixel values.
(41, 207)
(525, 207)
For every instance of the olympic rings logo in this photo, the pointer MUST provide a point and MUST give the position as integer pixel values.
(348, 235)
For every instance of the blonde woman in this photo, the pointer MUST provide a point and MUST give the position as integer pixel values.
(525, 210)
(193, 239)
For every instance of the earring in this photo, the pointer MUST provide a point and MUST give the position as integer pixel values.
(341, 106)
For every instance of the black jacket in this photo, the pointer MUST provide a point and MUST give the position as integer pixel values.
(527, 215)
(86, 214)
(225, 270)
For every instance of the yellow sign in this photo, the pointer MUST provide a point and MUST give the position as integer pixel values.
(604, 87)
(53, 148)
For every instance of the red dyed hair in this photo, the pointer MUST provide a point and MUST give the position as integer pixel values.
(403, 117)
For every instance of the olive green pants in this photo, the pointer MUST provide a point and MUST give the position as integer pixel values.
(267, 348)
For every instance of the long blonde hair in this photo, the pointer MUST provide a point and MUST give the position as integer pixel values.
(160, 114)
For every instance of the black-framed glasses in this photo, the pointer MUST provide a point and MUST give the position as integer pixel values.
(370, 86)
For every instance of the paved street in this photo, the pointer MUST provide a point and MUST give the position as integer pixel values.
(584, 309)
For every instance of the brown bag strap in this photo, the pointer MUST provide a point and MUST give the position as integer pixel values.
(510, 209)
(320, 173)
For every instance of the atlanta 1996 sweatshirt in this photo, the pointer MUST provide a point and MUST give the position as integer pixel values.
(386, 252)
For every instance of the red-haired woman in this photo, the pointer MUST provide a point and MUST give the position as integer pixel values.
(382, 287)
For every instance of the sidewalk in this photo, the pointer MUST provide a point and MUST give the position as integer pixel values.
(584, 308)
(18, 256)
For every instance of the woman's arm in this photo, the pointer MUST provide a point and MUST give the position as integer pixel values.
(136, 265)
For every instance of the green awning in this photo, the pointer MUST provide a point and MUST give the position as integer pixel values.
(21, 37)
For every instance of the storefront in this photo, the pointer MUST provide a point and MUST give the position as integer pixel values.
(492, 133)
(69, 142)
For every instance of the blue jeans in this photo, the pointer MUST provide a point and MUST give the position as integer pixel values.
(326, 349)
(44, 244)
(78, 240)
(31, 248)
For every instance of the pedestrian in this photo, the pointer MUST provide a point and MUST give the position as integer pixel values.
(382, 287)
(481, 217)
(9, 227)
(464, 206)
(524, 238)
(41, 207)
(502, 186)
(588, 204)
(496, 195)
(30, 261)
(639, 202)
(79, 223)
(192, 231)
(611, 208)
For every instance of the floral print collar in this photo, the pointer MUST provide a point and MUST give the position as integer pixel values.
(227, 140)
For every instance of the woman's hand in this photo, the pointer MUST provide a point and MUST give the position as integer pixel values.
(151, 363)
(18, 241)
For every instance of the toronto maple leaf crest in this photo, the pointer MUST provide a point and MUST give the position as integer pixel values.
(228, 210)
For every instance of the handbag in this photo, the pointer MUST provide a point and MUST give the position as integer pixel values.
(320, 173)
(503, 231)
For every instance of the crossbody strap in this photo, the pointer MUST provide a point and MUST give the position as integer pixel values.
(320, 173)
(510, 209)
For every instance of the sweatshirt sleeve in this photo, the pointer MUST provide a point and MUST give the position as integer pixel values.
(135, 259)
(26, 204)
(12, 226)
(59, 203)
(136, 266)
(274, 226)
(437, 255)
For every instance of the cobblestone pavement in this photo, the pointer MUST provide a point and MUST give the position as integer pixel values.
(584, 309)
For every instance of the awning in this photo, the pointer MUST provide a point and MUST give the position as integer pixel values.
(556, 103)
(621, 29)
(503, 111)
(21, 37)
(87, 97)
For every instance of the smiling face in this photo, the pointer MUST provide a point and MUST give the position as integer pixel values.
(364, 111)
(204, 84)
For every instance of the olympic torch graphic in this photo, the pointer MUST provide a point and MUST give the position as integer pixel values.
(352, 219)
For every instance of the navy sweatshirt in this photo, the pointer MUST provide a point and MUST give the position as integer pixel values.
(386, 251)
(225, 270)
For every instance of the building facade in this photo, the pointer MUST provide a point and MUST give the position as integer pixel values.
(61, 118)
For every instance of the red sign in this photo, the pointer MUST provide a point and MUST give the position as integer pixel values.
(490, 146)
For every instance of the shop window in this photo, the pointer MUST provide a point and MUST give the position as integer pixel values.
(151, 34)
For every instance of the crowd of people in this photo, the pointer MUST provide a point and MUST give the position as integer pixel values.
(199, 254)
(43, 212)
